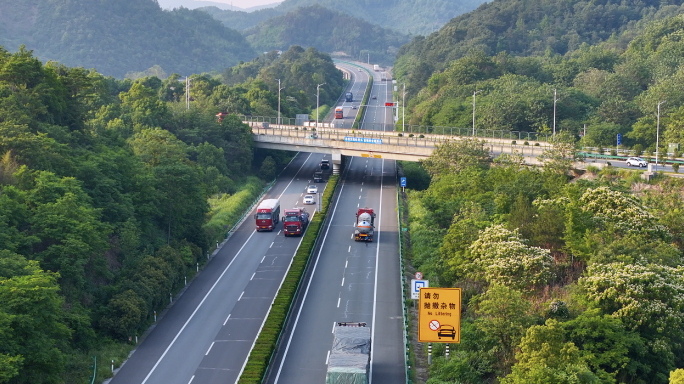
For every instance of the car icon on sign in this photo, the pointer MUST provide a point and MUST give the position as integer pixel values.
(446, 331)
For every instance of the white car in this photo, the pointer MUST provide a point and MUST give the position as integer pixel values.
(309, 199)
(312, 189)
(636, 162)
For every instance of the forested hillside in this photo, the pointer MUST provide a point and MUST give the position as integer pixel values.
(116, 37)
(111, 193)
(328, 31)
(609, 89)
(564, 279)
(527, 28)
(403, 16)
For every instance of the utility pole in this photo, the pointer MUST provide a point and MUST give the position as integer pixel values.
(318, 87)
(474, 93)
(554, 114)
(658, 133)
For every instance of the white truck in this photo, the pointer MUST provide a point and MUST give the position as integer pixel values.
(349, 361)
(376, 68)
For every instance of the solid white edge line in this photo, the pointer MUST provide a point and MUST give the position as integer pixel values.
(211, 346)
(196, 309)
(262, 259)
(251, 278)
(299, 312)
(271, 306)
(191, 379)
(375, 289)
(272, 244)
(224, 323)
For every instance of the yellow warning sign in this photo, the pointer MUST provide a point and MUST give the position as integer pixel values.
(439, 316)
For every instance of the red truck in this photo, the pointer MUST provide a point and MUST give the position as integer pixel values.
(268, 213)
(295, 221)
(365, 224)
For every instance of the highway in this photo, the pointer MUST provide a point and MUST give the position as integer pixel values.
(352, 281)
(206, 336)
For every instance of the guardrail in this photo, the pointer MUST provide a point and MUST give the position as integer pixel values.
(402, 274)
(254, 203)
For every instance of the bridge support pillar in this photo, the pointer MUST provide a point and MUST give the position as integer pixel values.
(337, 163)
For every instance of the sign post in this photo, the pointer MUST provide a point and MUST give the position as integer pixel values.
(439, 315)
(403, 185)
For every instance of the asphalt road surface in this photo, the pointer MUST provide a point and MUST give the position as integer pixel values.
(352, 281)
(206, 336)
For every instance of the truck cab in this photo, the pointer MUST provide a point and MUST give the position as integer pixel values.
(295, 221)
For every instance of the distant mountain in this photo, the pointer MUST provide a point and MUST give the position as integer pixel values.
(116, 37)
(406, 16)
(327, 31)
(194, 4)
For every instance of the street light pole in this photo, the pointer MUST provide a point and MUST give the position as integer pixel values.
(474, 93)
(318, 87)
(554, 114)
(279, 89)
(658, 133)
(403, 109)
(187, 91)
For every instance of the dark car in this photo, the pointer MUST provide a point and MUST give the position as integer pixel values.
(446, 331)
(318, 177)
(325, 164)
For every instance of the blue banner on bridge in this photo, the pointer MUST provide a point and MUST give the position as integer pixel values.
(365, 140)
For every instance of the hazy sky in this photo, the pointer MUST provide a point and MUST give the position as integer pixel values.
(246, 3)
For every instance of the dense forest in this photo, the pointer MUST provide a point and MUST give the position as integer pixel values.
(528, 28)
(111, 192)
(403, 16)
(610, 89)
(118, 36)
(565, 278)
(328, 31)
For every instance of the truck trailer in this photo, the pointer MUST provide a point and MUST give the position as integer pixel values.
(267, 215)
(365, 224)
(349, 361)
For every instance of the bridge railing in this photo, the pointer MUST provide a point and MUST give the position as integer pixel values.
(411, 130)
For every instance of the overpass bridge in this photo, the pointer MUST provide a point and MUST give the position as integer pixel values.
(389, 145)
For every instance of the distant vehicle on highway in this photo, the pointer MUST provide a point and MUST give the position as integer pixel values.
(309, 199)
(312, 189)
(325, 164)
(636, 162)
(349, 96)
(353, 106)
(339, 113)
(374, 97)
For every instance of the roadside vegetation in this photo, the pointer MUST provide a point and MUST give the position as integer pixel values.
(566, 277)
(113, 192)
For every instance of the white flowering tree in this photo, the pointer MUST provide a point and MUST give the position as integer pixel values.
(647, 298)
(501, 256)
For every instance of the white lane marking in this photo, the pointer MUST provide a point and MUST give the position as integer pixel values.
(362, 183)
(250, 279)
(375, 289)
(327, 358)
(272, 244)
(196, 309)
(308, 285)
(359, 197)
(211, 346)
(279, 232)
(361, 190)
(301, 194)
(338, 302)
(263, 258)
(191, 379)
(243, 292)
(346, 262)
(352, 236)
(224, 323)
(357, 205)
(333, 328)
(293, 179)
(349, 250)
(343, 285)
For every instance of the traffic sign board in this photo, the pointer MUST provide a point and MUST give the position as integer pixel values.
(416, 285)
(403, 181)
(619, 139)
(439, 315)
(389, 104)
(419, 275)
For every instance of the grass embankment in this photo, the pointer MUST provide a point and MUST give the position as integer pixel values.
(226, 210)
(266, 343)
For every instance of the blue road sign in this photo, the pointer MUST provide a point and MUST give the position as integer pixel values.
(416, 285)
(619, 138)
(365, 140)
(403, 181)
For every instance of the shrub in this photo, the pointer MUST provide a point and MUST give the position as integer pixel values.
(536, 144)
(638, 149)
(513, 142)
(526, 143)
(613, 152)
(675, 167)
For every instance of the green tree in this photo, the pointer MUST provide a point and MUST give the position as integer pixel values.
(457, 155)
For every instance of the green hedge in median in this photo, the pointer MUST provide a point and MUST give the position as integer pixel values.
(362, 109)
(265, 345)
